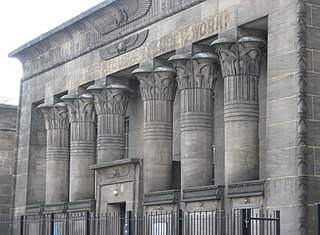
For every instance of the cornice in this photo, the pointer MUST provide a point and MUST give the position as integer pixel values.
(95, 28)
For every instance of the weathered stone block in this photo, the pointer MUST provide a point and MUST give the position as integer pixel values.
(313, 33)
(277, 189)
(282, 64)
(278, 163)
(313, 80)
(282, 110)
(315, 12)
(281, 135)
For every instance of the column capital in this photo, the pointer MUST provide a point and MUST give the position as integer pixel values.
(56, 116)
(240, 58)
(110, 99)
(81, 108)
(196, 72)
(158, 84)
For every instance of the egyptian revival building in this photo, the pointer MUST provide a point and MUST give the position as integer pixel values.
(141, 105)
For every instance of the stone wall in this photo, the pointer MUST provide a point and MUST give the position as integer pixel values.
(8, 115)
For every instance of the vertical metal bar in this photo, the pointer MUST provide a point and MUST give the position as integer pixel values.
(51, 224)
(179, 222)
(130, 221)
(87, 223)
(245, 221)
(278, 222)
(21, 224)
(317, 219)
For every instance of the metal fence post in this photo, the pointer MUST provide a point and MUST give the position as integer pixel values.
(21, 224)
(317, 219)
(277, 222)
(130, 221)
(245, 222)
(52, 224)
(179, 217)
(87, 223)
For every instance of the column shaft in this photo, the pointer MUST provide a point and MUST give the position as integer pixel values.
(196, 79)
(82, 145)
(57, 154)
(158, 90)
(157, 141)
(110, 139)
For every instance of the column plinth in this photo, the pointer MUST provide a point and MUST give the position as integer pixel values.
(241, 64)
(196, 80)
(158, 90)
(57, 153)
(82, 145)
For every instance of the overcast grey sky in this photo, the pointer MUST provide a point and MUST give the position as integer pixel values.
(20, 22)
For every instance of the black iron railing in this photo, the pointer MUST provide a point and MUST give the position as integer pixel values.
(214, 222)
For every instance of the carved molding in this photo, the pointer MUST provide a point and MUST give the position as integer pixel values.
(112, 99)
(210, 192)
(244, 189)
(302, 128)
(80, 109)
(124, 46)
(162, 197)
(56, 116)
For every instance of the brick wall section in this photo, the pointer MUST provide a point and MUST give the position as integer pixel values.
(7, 143)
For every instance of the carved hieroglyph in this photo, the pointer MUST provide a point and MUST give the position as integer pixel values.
(111, 104)
(82, 145)
(241, 64)
(158, 89)
(196, 80)
(57, 154)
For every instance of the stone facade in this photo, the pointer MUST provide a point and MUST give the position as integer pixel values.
(8, 114)
(174, 103)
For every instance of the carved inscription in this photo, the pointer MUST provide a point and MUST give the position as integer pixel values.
(202, 29)
(181, 37)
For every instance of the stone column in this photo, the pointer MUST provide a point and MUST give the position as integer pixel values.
(158, 90)
(57, 155)
(82, 145)
(111, 104)
(196, 80)
(241, 64)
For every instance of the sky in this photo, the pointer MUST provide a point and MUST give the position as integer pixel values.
(20, 22)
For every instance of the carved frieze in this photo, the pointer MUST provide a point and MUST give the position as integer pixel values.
(112, 99)
(81, 109)
(116, 172)
(124, 46)
(118, 13)
(96, 28)
(56, 116)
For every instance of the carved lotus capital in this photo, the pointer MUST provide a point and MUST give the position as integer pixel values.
(159, 84)
(56, 116)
